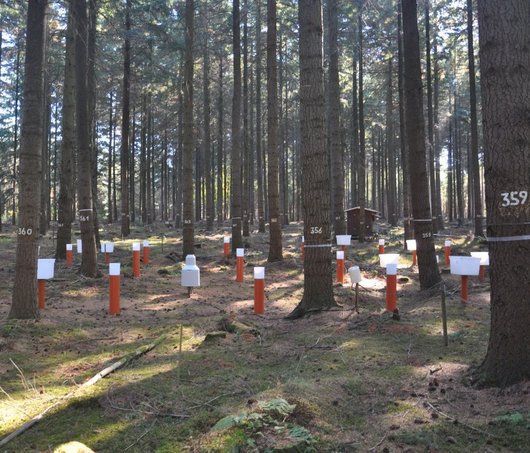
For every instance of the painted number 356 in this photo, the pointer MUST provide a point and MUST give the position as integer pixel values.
(514, 198)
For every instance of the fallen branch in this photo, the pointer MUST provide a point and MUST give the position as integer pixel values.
(105, 372)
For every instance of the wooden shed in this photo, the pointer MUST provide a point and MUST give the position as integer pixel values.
(353, 220)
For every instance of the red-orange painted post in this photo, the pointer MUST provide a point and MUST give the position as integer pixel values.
(69, 256)
(481, 273)
(226, 246)
(42, 294)
(240, 253)
(259, 290)
(464, 289)
(136, 259)
(447, 252)
(147, 248)
(114, 288)
(381, 246)
(391, 287)
(340, 266)
(414, 257)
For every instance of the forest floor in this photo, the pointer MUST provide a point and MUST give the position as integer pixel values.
(335, 381)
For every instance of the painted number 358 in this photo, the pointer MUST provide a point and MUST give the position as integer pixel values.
(514, 198)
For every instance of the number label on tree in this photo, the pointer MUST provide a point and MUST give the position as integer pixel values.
(25, 231)
(514, 198)
(315, 230)
(84, 218)
(426, 235)
(187, 222)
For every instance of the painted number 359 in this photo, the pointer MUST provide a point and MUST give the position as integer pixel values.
(514, 198)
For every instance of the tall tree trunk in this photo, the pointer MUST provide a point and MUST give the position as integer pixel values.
(437, 144)
(275, 245)
(125, 125)
(235, 170)
(408, 227)
(110, 160)
(430, 120)
(187, 158)
(24, 301)
(220, 141)
(337, 155)
(390, 147)
(208, 172)
(423, 227)
(505, 88)
(318, 288)
(246, 151)
(89, 265)
(477, 196)
(362, 140)
(259, 158)
(66, 190)
(354, 156)
(15, 132)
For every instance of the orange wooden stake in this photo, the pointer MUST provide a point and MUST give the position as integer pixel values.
(226, 247)
(42, 294)
(114, 294)
(240, 253)
(69, 258)
(259, 290)
(391, 287)
(340, 267)
(447, 252)
(146, 255)
(381, 250)
(136, 263)
(482, 273)
(463, 290)
(414, 257)
(107, 258)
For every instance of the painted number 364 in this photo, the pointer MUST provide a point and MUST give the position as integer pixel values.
(514, 198)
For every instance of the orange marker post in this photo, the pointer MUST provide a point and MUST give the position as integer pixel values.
(414, 258)
(226, 246)
(136, 259)
(447, 252)
(42, 294)
(114, 288)
(259, 290)
(340, 266)
(481, 273)
(69, 256)
(391, 287)
(463, 288)
(45, 271)
(381, 246)
(147, 248)
(240, 253)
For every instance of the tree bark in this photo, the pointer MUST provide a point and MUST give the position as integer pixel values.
(235, 170)
(421, 210)
(505, 88)
(318, 289)
(66, 190)
(188, 247)
(125, 125)
(259, 158)
(390, 147)
(208, 173)
(361, 181)
(275, 245)
(89, 265)
(24, 301)
(477, 195)
(336, 151)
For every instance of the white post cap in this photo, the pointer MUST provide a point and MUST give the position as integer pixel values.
(381, 242)
(386, 258)
(355, 274)
(103, 249)
(303, 239)
(484, 257)
(79, 246)
(69, 247)
(190, 260)
(447, 243)
(391, 269)
(259, 273)
(114, 269)
(226, 240)
(240, 252)
(136, 246)
(343, 239)
(109, 247)
(411, 244)
(45, 268)
(146, 243)
(340, 255)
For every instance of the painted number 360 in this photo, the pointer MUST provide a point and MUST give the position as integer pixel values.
(514, 198)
